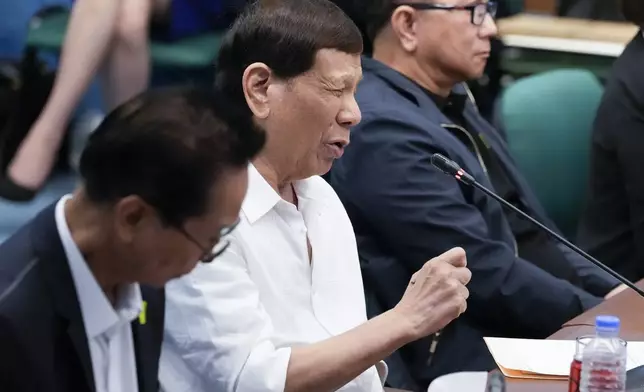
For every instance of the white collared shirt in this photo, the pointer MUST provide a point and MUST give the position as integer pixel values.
(108, 330)
(230, 325)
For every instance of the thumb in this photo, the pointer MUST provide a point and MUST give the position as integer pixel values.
(455, 257)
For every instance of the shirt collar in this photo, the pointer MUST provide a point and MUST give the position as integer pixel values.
(261, 197)
(98, 314)
(453, 103)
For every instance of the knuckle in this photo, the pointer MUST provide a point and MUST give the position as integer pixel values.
(468, 274)
(464, 308)
(458, 303)
(442, 269)
(453, 286)
(430, 266)
(427, 270)
(455, 310)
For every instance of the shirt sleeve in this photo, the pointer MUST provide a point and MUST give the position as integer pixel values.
(217, 335)
(417, 213)
(595, 280)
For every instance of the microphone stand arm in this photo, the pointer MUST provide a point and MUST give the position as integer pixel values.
(558, 237)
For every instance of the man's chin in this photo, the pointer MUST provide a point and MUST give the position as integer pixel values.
(325, 167)
(322, 167)
(474, 76)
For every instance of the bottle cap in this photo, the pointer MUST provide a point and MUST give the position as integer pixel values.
(607, 324)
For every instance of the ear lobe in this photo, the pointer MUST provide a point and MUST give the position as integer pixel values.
(403, 24)
(255, 82)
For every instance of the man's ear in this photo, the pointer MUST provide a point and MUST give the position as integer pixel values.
(403, 25)
(255, 82)
(130, 215)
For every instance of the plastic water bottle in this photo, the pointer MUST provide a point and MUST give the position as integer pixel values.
(604, 359)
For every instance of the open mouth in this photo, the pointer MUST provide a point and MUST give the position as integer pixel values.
(336, 149)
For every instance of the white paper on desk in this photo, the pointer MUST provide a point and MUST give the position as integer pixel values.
(547, 357)
(463, 381)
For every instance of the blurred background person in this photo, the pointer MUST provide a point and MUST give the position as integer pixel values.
(111, 37)
(612, 226)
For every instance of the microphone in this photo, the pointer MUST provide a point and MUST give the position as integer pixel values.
(495, 382)
(452, 168)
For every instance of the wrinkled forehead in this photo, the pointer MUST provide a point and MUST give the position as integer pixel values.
(337, 68)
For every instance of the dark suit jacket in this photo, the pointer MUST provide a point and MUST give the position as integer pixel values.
(43, 344)
(405, 212)
(612, 226)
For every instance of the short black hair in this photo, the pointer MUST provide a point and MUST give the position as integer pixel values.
(285, 35)
(633, 11)
(168, 146)
(355, 9)
(377, 14)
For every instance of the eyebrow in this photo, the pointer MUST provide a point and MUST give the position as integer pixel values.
(344, 80)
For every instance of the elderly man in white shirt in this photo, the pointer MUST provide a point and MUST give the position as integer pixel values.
(283, 309)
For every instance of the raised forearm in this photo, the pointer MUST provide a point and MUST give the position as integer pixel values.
(330, 364)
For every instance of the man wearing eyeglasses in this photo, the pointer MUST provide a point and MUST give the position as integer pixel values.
(81, 286)
(414, 103)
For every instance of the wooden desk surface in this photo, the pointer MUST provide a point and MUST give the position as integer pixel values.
(567, 35)
(541, 6)
(568, 28)
(627, 305)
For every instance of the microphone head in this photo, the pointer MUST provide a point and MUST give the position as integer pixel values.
(452, 168)
(445, 165)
